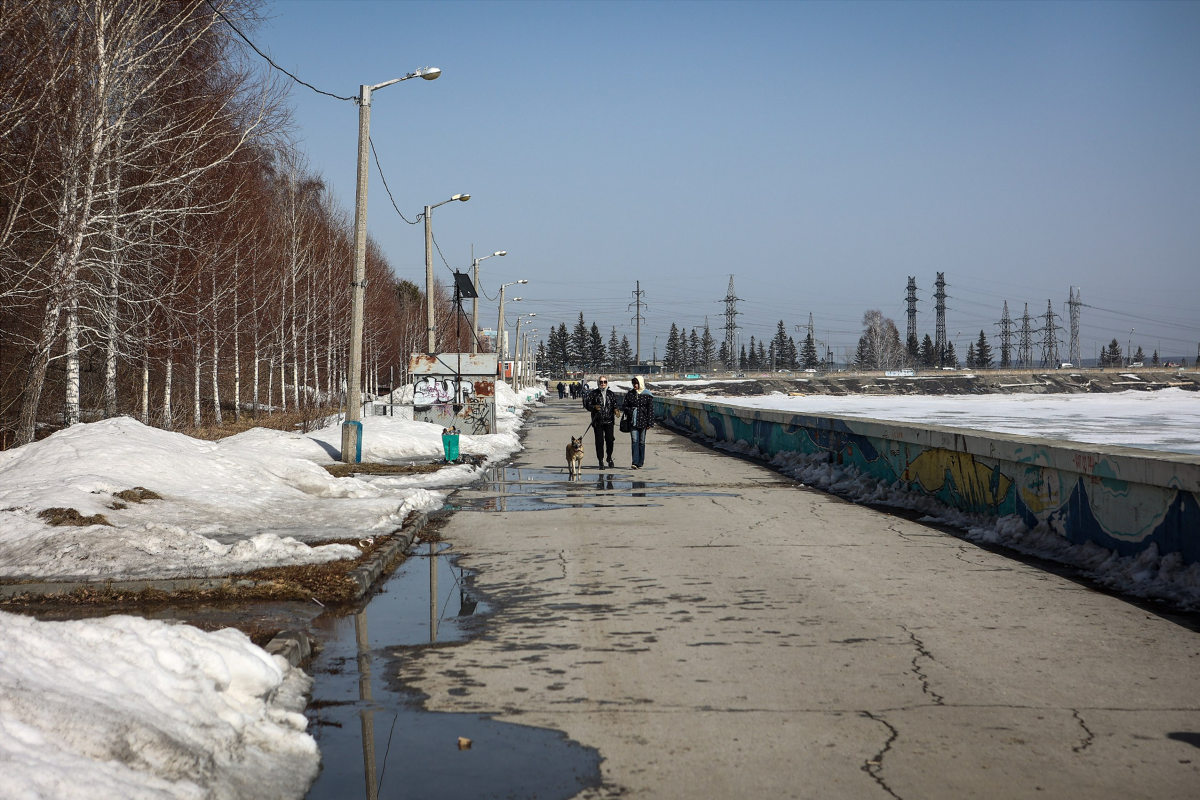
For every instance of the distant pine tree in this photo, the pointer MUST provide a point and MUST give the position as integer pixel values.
(580, 344)
(754, 362)
(928, 356)
(695, 351)
(971, 356)
(983, 352)
(914, 350)
(597, 354)
(1154, 362)
(1139, 357)
(614, 353)
(708, 349)
(743, 362)
(950, 358)
(627, 355)
(808, 356)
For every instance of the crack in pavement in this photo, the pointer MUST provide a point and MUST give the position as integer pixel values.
(874, 766)
(1087, 741)
(922, 652)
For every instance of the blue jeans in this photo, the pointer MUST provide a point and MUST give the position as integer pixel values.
(637, 437)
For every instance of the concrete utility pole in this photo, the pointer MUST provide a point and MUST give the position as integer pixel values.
(501, 349)
(430, 320)
(352, 427)
(475, 302)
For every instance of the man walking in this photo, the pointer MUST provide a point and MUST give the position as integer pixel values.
(603, 405)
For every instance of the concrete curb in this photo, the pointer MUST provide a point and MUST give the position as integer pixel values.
(371, 569)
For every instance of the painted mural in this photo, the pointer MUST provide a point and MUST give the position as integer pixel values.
(1087, 501)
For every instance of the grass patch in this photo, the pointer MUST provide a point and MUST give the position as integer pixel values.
(138, 494)
(69, 516)
(346, 470)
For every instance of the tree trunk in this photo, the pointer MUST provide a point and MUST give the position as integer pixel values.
(72, 357)
(168, 414)
(196, 418)
(145, 388)
(216, 354)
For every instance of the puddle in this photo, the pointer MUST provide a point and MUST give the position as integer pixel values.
(540, 489)
(376, 741)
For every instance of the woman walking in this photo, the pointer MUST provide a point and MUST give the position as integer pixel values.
(639, 410)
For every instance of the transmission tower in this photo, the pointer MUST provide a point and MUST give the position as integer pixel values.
(1049, 331)
(940, 343)
(1006, 336)
(1025, 344)
(731, 326)
(638, 319)
(911, 299)
(1073, 308)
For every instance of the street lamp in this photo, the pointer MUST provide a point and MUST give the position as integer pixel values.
(517, 353)
(501, 350)
(430, 323)
(1129, 348)
(352, 428)
(475, 302)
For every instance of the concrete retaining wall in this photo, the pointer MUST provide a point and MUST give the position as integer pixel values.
(1121, 498)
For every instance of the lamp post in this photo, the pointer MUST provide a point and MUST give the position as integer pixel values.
(430, 322)
(352, 427)
(517, 354)
(501, 350)
(475, 302)
(1129, 348)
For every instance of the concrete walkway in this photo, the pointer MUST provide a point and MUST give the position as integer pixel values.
(716, 630)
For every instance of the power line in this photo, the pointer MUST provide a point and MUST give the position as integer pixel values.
(267, 58)
(379, 167)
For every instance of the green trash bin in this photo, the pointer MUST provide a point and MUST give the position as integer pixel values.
(450, 445)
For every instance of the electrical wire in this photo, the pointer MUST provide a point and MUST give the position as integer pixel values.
(267, 58)
(379, 168)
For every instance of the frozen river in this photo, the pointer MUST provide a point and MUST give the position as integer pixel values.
(1164, 420)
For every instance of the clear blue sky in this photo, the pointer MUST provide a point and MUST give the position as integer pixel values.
(820, 152)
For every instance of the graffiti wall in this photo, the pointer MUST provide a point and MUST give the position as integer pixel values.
(456, 389)
(1123, 499)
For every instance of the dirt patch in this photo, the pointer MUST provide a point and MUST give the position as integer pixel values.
(138, 494)
(328, 584)
(347, 470)
(69, 516)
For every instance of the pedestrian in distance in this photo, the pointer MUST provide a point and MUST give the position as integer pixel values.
(562, 390)
(604, 407)
(639, 415)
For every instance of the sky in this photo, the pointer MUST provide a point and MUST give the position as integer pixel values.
(821, 153)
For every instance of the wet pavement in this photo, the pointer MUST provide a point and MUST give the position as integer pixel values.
(376, 740)
(714, 630)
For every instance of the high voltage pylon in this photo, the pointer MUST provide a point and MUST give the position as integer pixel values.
(638, 319)
(1049, 331)
(1025, 343)
(940, 344)
(911, 299)
(1073, 305)
(731, 313)
(1006, 336)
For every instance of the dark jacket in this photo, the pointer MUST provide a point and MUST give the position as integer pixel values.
(592, 402)
(643, 404)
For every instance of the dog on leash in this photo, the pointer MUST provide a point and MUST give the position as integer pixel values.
(575, 456)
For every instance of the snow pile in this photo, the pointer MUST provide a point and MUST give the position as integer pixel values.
(1168, 419)
(258, 499)
(1144, 575)
(124, 707)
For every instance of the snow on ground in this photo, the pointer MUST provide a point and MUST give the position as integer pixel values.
(254, 500)
(134, 709)
(1168, 419)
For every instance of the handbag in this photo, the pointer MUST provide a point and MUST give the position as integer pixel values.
(626, 423)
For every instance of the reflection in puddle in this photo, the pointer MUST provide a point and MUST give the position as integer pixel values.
(417, 754)
(534, 489)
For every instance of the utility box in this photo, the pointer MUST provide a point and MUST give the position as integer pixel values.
(455, 389)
